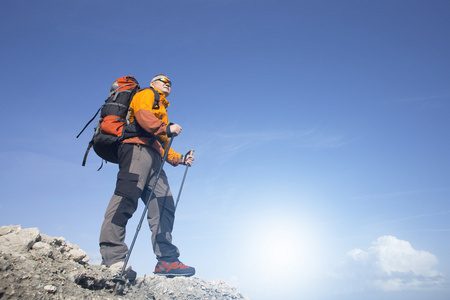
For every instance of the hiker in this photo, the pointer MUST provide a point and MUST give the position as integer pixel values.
(139, 158)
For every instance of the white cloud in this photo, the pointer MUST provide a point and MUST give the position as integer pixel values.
(358, 255)
(391, 264)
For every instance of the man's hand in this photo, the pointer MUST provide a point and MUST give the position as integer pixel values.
(175, 129)
(188, 160)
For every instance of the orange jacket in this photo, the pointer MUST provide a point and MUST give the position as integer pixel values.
(154, 121)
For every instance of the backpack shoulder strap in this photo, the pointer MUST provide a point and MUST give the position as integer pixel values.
(156, 103)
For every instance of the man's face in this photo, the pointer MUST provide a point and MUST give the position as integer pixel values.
(163, 84)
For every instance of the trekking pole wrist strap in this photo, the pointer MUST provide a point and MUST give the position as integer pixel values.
(169, 134)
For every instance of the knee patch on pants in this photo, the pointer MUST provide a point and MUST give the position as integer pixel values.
(124, 212)
(127, 188)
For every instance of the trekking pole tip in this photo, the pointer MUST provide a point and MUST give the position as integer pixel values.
(119, 285)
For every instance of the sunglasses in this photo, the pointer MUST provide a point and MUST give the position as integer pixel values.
(164, 80)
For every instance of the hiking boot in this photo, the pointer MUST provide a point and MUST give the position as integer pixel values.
(129, 273)
(171, 269)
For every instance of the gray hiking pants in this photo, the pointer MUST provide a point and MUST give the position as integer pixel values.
(138, 168)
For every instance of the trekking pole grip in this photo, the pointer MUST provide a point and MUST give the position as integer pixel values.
(191, 152)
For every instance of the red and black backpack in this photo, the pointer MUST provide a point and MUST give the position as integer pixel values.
(113, 124)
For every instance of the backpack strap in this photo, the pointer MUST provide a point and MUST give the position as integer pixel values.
(156, 103)
(90, 121)
(91, 143)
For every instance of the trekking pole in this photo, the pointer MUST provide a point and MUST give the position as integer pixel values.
(191, 152)
(120, 281)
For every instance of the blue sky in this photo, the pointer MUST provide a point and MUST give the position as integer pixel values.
(320, 130)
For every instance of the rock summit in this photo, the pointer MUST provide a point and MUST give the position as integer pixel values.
(36, 266)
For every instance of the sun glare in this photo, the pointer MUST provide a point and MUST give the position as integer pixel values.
(279, 247)
(281, 250)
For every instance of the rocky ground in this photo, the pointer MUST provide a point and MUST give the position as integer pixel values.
(36, 266)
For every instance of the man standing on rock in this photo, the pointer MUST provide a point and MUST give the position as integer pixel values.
(139, 162)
